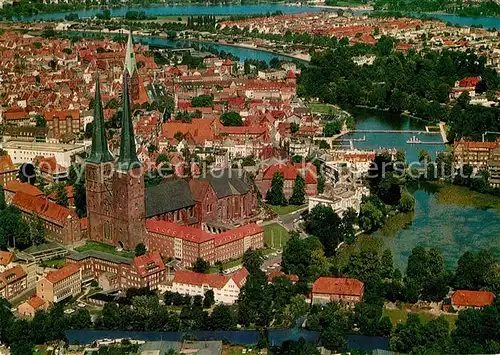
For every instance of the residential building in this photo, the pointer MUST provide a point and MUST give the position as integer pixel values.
(340, 198)
(476, 154)
(14, 281)
(226, 288)
(60, 223)
(273, 274)
(31, 306)
(290, 172)
(12, 187)
(463, 299)
(8, 171)
(6, 259)
(25, 133)
(468, 84)
(60, 284)
(113, 271)
(62, 124)
(25, 152)
(345, 290)
(186, 244)
(494, 167)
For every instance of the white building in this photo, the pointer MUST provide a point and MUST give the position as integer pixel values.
(341, 198)
(25, 152)
(226, 288)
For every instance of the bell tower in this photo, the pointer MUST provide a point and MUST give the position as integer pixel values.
(130, 66)
(99, 168)
(128, 183)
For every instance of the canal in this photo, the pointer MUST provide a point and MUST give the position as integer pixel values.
(450, 218)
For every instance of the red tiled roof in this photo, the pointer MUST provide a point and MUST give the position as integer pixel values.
(36, 302)
(17, 186)
(472, 298)
(198, 279)
(240, 277)
(290, 75)
(338, 286)
(472, 144)
(148, 263)
(42, 207)
(63, 273)
(198, 235)
(12, 275)
(469, 82)
(6, 163)
(6, 258)
(199, 188)
(290, 172)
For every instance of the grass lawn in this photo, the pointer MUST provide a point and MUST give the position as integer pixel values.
(400, 315)
(282, 210)
(105, 248)
(227, 265)
(324, 109)
(54, 263)
(275, 236)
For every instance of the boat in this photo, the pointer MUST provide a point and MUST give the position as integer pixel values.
(414, 140)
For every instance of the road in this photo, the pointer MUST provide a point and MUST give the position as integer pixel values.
(287, 219)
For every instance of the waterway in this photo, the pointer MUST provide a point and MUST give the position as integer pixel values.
(450, 218)
(487, 22)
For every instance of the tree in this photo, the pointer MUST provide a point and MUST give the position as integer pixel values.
(252, 260)
(201, 266)
(209, 299)
(294, 127)
(386, 264)
(370, 216)
(61, 195)
(140, 249)
(407, 202)
(298, 194)
(231, 119)
(389, 189)
(275, 195)
(40, 121)
(332, 127)
(324, 223)
(298, 307)
(179, 136)
(3, 205)
(476, 271)
(202, 101)
(222, 318)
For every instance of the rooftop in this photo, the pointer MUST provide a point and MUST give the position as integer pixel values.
(42, 146)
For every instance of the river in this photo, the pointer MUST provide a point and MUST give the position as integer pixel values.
(449, 218)
(487, 22)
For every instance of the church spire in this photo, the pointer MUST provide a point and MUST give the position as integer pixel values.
(130, 63)
(99, 152)
(128, 156)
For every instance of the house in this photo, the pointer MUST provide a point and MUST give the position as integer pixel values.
(31, 306)
(290, 172)
(8, 171)
(60, 284)
(341, 289)
(468, 84)
(226, 288)
(476, 154)
(148, 271)
(273, 274)
(463, 299)
(12, 187)
(6, 259)
(186, 244)
(14, 281)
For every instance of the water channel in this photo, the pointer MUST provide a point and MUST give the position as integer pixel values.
(486, 22)
(449, 218)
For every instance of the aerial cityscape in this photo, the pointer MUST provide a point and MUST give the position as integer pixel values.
(249, 177)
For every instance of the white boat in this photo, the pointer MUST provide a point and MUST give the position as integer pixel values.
(414, 140)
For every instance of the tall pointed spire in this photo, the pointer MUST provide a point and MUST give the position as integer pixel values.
(99, 152)
(128, 156)
(130, 63)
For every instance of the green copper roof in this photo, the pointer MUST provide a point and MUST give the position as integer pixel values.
(130, 63)
(128, 156)
(99, 152)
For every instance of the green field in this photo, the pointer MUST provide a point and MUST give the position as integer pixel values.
(400, 315)
(282, 210)
(275, 236)
(53, 263)
(323, 109)
(105, 248)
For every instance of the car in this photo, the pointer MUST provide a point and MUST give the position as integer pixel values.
(82, 305)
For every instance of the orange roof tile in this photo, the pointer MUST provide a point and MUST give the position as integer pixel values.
(43, 207)
(338, 286)
(13, 274)
(17, 186)
(472, 298)
(36, 302)
(63, 273)
(149, 263)
(6, 258)
(6, 164)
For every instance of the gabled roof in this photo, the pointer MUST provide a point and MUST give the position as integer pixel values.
(199, 189)
(167, 197)
(6, 258)
(63, 273)
(42, 207)
(212, 280)
(338, 286)
(467, 298)
(36, 302)
(6, 164)
(12, 275)
(148, 264)
(229, 182)
(17, 186)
